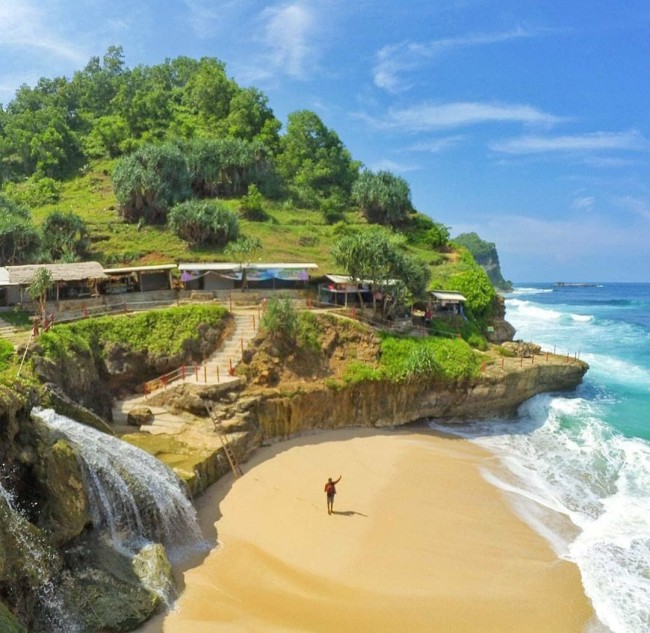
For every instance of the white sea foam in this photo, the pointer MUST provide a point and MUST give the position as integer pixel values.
(530, 291)
(585, 489)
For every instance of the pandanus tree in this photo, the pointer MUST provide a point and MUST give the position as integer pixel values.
(243, 251)
(383, 198)
(65, 236)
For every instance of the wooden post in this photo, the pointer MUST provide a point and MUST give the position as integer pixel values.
(241, 344)
(521, 361)
(231, 371)
(532, 359)
(205, 373)
(183, 372)
(253, 322)
(503, 362)
(218, 379)
(196, 372)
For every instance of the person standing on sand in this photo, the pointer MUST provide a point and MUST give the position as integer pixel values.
(330, 491)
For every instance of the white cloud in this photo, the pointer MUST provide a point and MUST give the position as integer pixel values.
(596, 141)
(395, 60)
(583, 203)
(637, 205)
(421, 118)
(392, 166)
(24, 26)
(289, 30)
(434, 146)
(208, 18)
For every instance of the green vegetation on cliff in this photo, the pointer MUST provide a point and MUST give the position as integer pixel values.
(161, 332)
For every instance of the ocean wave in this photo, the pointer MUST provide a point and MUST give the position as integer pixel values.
(530, 291)
(584, 488)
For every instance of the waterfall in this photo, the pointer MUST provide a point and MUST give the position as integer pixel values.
(133, 497)
(34, 565)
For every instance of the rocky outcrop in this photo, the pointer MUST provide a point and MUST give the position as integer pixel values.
(498, 329)
(382, 404)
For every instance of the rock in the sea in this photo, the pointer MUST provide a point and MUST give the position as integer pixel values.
(139, 416)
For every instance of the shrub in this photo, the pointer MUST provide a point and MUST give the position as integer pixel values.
(251, 205)
(202, 222)
(280, 319)
(6, 352)
(35, 191)
(422, 362)
(65, 236)
(450, 359)
(361, 372)
(308, 331)
(477, 341)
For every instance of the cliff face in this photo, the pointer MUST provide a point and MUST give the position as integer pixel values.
(486, 256)
(390, 404)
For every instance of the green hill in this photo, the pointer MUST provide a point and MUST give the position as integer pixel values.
(176, 161)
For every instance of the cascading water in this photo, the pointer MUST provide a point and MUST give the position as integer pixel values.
(33, 564)
(132, 495)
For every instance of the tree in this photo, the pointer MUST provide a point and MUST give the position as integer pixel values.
(314, 162)
(376, 256)
(243, 251)
(200, 222)
(65, 236)
(19, 239)
(151, 181)
(38, 288)
(383, 198)
(208, 91)
(251, 118)
(225, 166)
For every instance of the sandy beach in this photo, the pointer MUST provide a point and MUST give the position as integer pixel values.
(418, 542)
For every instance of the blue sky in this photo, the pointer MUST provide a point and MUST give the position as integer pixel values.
(525, 121)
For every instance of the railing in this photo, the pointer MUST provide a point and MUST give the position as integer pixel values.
(183, 373)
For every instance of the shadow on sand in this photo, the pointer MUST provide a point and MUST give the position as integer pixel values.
(348, 513)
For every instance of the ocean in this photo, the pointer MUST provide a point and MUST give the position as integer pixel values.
(576, 466)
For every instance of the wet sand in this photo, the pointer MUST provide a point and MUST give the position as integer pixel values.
(418, 542)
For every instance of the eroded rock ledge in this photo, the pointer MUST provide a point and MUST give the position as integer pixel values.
(252, 415)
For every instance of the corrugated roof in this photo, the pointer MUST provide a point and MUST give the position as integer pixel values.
(235, 266)
(23, 275)
(139, 269)
(448, 295)
(346, 279)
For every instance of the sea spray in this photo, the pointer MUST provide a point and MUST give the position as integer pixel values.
(133, 496)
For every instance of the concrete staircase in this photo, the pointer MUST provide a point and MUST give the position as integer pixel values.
(215, 370)
(217, 367)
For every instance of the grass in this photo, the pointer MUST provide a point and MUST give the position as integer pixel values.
(452, 359)
(162, 332)
(290, 233)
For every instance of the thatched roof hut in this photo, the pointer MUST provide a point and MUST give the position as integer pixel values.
(23, 275)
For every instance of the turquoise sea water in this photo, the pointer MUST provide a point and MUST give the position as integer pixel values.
(576, 465)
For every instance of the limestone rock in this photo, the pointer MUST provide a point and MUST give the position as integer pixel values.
(522, 348)
(139, 416)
